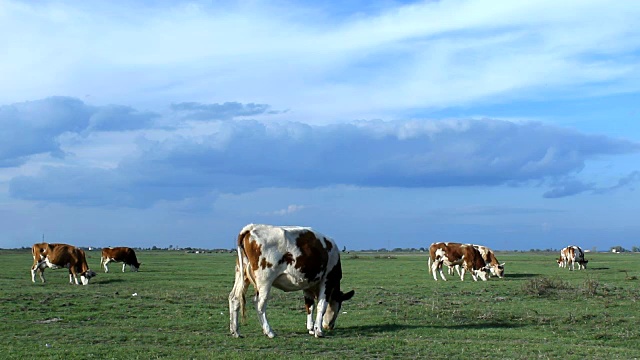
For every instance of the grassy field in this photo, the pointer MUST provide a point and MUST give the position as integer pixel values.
(181, 311)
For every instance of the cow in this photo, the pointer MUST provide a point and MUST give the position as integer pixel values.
(488, 256)
(119, 254)
(57, 256)
(571, 255)
(452, 254)
(289, 258)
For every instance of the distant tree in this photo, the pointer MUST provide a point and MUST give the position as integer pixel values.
(635, 249)
(618, 248)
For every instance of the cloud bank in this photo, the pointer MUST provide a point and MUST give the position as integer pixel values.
(237, 156)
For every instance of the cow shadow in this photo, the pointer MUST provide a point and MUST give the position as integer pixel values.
(108, 281)
(365, 330)
(378, 328)
(492, 325)
(520, 276)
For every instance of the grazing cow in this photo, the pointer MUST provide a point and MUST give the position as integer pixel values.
(489, 258)
(57, 256)
(289, 258)
(452, 254)
(119, 254)
(571, 255)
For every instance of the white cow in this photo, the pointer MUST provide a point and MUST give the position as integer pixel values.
(453, 254)
(289, 258)
(571, 255)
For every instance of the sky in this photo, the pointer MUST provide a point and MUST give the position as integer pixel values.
(381, 124)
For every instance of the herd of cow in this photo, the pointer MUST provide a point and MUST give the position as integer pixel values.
(57, 256)
(290, 258)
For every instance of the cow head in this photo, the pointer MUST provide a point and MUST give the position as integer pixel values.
(136, 266)
(497, 270)
(86, 276)
(583, 263)
(333, 310)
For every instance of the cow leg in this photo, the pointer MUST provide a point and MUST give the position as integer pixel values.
(437, 265)
(320, 310)
(40, 273)
(462, 270)
(123, 266)
(441, 272)
(309, 302)
(237, 302)
(106, 261)
(38, 268)
(261, 308)
(434, 268)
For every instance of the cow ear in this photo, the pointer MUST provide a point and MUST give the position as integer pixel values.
(502, 264)
(346, 296)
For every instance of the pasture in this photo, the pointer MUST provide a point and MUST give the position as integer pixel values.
(180, 311)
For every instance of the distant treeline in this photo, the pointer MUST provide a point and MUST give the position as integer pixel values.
(614, 249)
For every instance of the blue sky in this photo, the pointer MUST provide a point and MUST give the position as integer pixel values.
(381, 124)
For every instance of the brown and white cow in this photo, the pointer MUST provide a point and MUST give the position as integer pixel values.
(125, 255)
(489, 257)
(452, 254)
(289, 258)
(572, 255)
(57, 256)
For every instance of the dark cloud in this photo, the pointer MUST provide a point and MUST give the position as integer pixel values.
(33, 127)
(226, 111)
(120, 118)
(570, 186)
(242, 156)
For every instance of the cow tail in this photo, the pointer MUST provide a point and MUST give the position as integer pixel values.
(240, 280)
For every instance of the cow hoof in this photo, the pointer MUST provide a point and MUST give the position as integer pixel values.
(236, 335)
(318, 334)
(271, 334)
(311, 332)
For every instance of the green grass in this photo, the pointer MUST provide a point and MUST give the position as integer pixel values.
(181, 311)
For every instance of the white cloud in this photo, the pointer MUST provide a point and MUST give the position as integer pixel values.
(288, 210)
(237, 156)
(420, 55)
